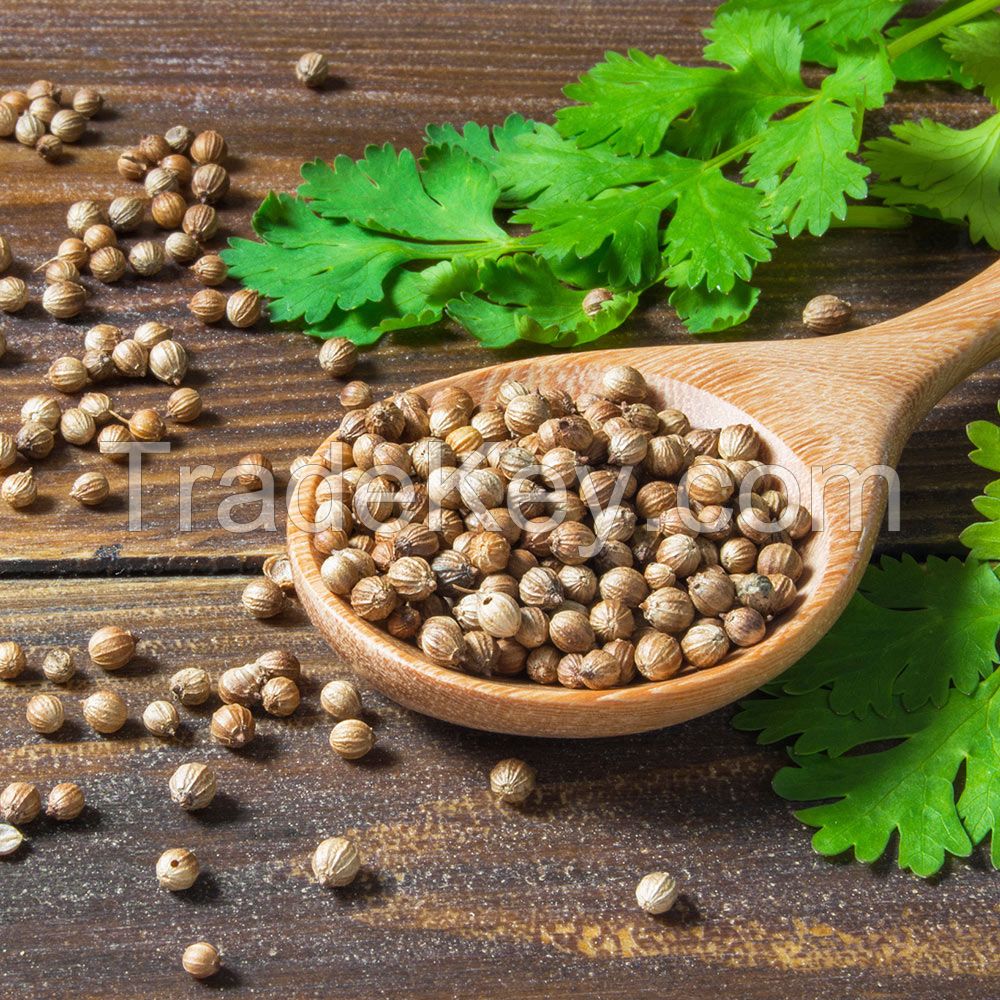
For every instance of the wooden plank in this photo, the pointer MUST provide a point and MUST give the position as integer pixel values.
(458, 896)
(400, 66)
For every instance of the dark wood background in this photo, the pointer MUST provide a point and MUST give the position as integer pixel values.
(458, 897)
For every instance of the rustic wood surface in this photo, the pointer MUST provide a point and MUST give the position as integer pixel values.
(459, 897)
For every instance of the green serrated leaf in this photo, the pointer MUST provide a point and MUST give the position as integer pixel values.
(705, 310)
(976, 48)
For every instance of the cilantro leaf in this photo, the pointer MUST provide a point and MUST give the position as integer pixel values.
(976, 48)
(983, 537)
(946, 173)
(525, 300)
(909, 788)
(707, 310)
(928, 60)
(943, 634)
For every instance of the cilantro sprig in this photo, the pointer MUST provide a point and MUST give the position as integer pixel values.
(657, 176)
(894, 717)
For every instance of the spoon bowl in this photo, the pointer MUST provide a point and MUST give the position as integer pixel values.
(834, 413)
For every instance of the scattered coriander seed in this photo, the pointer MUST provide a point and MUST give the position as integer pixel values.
(111, 647)
(278, 569)
(210, 183)
(10, 839)
(168, 208)
(184, 406)
(34, 440)
(179, 138)
(29, 129)
(131, 359)
(181, 248)
(49, 148)
(75, 251)
(147, 425)
(191, 686)
(147, 258)
(6, 254)
(210, 270)
(82, 215)
(65, 802)
(193, 786)
(201, 960)
(68, 125)
(241, 685)
(13, 294)
(154, 148)
(20, 489)
(17, 100)
(20, 803)
(233, 726)
(177, 869)
(61, 270)
(125, 214)
(108, 265)
(58, 666)
(99, 365)
(208, 147)
(77, 426)
(64, 299)
(66, 374)
(279, 663)
(243, 308)
(253, 470)
(41, 409)
(656, 892)
(208, 305)
(99, 236)
(98, 405)
(44, 109)
(178, 165)
(132, 165)
(90, 489)
(45, 713)
(512, 780)
(827, 314)
(159, 181)
(200, 222)
(338, 356)
(352, 739)
(312, 69)
(168, 362)
(8, 450)
(8, 120)
(336, 862)
(43, 88)
(341, 700)
(12, 660)
(113, 442)
(263, 599)
(161, 718)
(88, 102)
(280, 696)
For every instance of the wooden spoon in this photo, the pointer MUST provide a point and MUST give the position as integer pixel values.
(849, 400)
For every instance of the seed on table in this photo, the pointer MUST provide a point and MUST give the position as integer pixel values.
(208, 305)
(263, 599)
(151, 333)
(34, 440)
(827, 314)
(13, 294)
(280, 696)
(193, 786)
(191, 686)
(45, 713)
(103, 337)
(279, 663)
(64, 300)
(68, 125)
(8, 120)
(341, 700)
(179, 138)
(6, 254)
(312, 69)
(12, 660)
(132, 164)
(168, 362)
(147, 258)
(126, 213)
(208, 147)
(98, 405)
(20, 803)
(10, 839)
(20, 489)
(147, 425)
(100, 366)
(211, 269)
(8, 450)
(168, 208)
(77, 426)
(44, 109)
(58, 666)
(131, 359)
(61, 270)
(338, 356)
(200, 222)
(177, 869)
(278, 569)
(159, 181)
(178, 165)
(241, 685)
(111, 647)
(154, 148)
(181, 248)
(65, 802)
(105, 712)
(17, 100)
(82, 215)
(201, 960)
(512, 780)
(352, 739)
(233, 726)
(656, 892)
(108, 264)
(161, 718)
(29, 129)
(113, 441)
(184, 406)
(253, 470)
(210, 183)
(336, 862)
(87, 102)
(243, 308)
(49, 148)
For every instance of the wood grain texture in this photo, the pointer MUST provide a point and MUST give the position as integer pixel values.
(399, 65)
(458, 897)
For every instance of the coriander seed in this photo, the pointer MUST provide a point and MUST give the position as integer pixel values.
(132, 165)
(17, 100)
(210, 183)
(827, 314)
(90, 489)
(8, 450)
(593, 301)
(279, 663)
(512, 780)
(243, 308)
(58, 666)
(87, 102)
(147, 258)
(253, 470)
(178, 165)
(147, 425)
(179, 138)
(68, 125)
(181, 248)
(13, 294)
(177, 869)
(77, 427)
(65, 802)
(312, 69)
(10, 839)
(105, 712)
(20, 489)
(210, 270)
(64, 300)
(336, 862)
(98, 405)
(233, 726)
(159, 181)
(8, 120)
(241, 685)
(66, 374)
(103, 337)
(61, 270)
(341, 700)
(208, 147)
(184, 406)
(263, 599)
(168, 208)
(131, 359)
(200, 222)
(201, 960)
(338, 356)
(12, 660)
(161, 718)
(49, 148)
(191, 686)
(111, 647)
(168, 362)
(113, 442)
(278, 569)
(151, 333)
(29, 129)
(44, 109)
(45, 713)
(34, 440)
(82, 215)
(208, 305)
(656, 892)
(193, 786)
(43, 88)
(20, 803)
(280, 696)
(352, 739)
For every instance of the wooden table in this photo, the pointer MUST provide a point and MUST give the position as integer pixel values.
(459, 897)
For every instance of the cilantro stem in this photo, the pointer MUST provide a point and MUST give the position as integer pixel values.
(939, 24)
(872, 217)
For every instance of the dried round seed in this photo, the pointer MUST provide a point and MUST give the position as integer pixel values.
(13, 294)
(177, 869)
(159, 181)
(113, 442)
(201, 960)
(179, 138)
(656, 892)
(10, 839)
(49, 148)
(263, 599)
(58, 666)
(34, 440)
(161, 718)
(45, 713)
(147, 258)
(29, 129)
(512, 780)
(193, 786)
(20, 803)
(12, 660)
(168, 362)
(208, 147)
(243, 308)
(200, 222)
(341, 700)
(131, 359)
(336, 862)
(168, 207)
(64, 299)
(312, 69)
(208, 305)
(65, 802)
(20, 489)
(210, 270)
(181, 248)
(105, 712)
(233, 726)
(184, 406)
(191, 686)
(108, 264)
(338, 356)
(280, 696)
(77, 426)
(210, 183)
(90, 489)
(352, 739)
(111, 647)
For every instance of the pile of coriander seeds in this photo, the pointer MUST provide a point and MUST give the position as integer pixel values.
(586, 542)
(43, 118)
